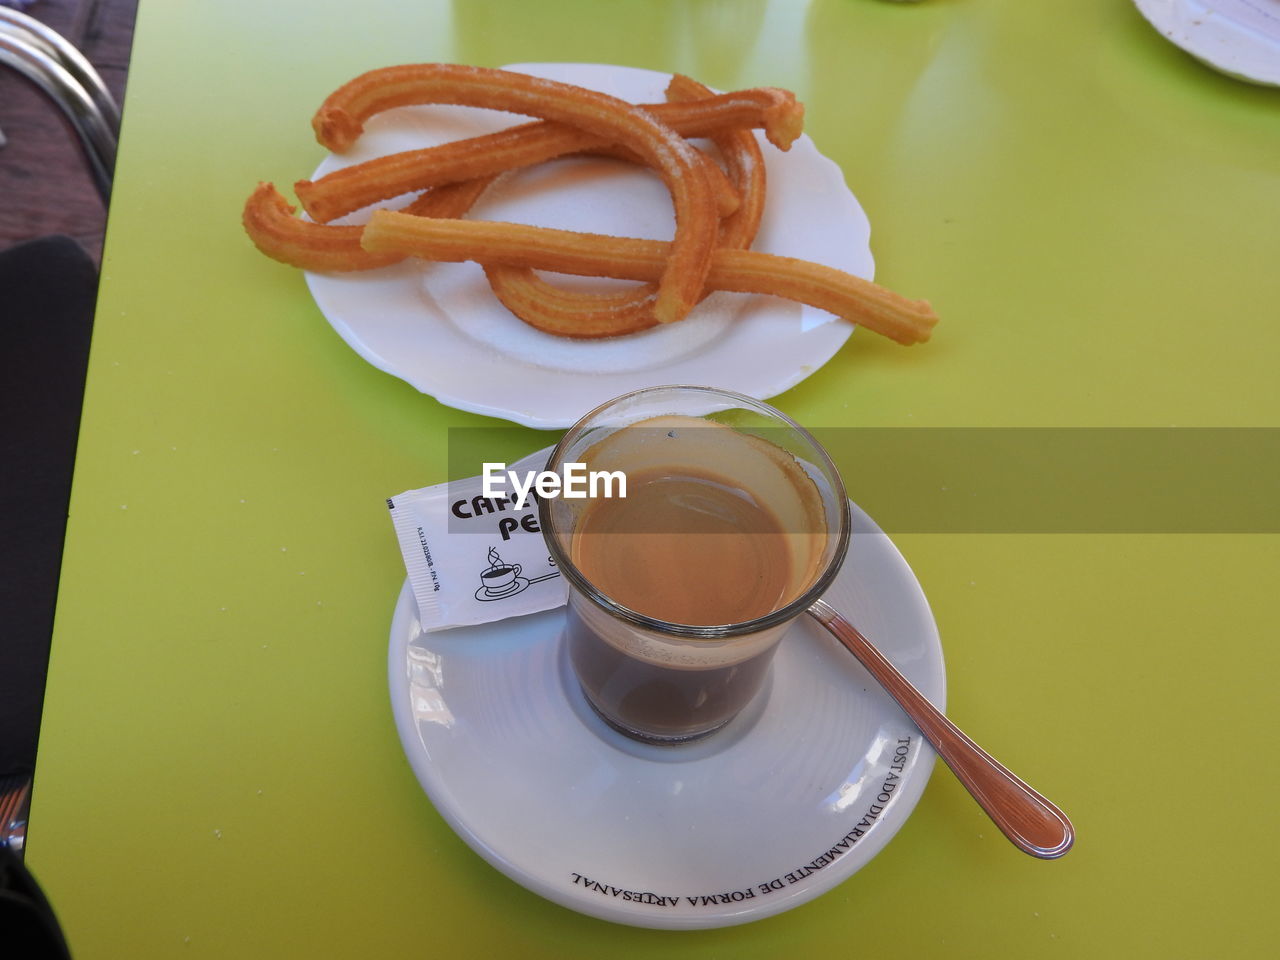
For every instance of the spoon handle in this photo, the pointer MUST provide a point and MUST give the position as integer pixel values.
(1034, 824)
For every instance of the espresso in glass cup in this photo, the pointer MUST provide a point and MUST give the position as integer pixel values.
(734, 521)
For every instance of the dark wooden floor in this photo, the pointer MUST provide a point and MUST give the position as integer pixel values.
(45, 186)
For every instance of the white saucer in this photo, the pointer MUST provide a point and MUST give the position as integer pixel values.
(440, 328)
(789, 800)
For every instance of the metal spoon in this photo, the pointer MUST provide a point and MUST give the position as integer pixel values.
(1034, 824)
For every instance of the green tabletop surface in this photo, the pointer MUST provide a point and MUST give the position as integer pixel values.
(1095, 216)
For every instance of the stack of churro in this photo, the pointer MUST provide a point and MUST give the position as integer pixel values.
(717, 210)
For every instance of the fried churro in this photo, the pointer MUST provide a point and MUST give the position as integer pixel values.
(343, 191)
(583, 315)
(268, 219)
(588, 254)
(341, 117)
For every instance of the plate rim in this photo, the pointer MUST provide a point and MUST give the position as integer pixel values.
(1214, 40)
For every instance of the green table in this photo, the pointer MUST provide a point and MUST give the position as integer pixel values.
(1095, 217)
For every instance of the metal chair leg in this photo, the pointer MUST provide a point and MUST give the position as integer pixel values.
(63, 52)
(70, 81)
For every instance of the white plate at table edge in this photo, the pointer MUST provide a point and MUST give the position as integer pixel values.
(594, 818)
(1218, 39)
(449, 338)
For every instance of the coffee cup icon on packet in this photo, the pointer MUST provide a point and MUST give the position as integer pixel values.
(463, 552)
(500, 580)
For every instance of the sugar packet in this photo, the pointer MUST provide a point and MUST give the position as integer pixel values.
(474, 559)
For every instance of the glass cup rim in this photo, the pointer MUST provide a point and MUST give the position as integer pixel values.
(725, 631)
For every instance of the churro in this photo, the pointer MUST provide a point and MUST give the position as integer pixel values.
(583, 315)
(586, 254)
(268, 219)
(341, 118)
(776, 111)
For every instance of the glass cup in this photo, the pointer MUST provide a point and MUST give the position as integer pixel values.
(734, 521)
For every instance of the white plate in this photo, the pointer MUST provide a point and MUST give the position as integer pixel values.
(440, 328)
(1240, 38)
(796, 794)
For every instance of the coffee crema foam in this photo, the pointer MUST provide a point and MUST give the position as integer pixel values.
(674, 653)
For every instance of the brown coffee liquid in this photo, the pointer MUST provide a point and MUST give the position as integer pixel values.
(687, 547)
(656, 700)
